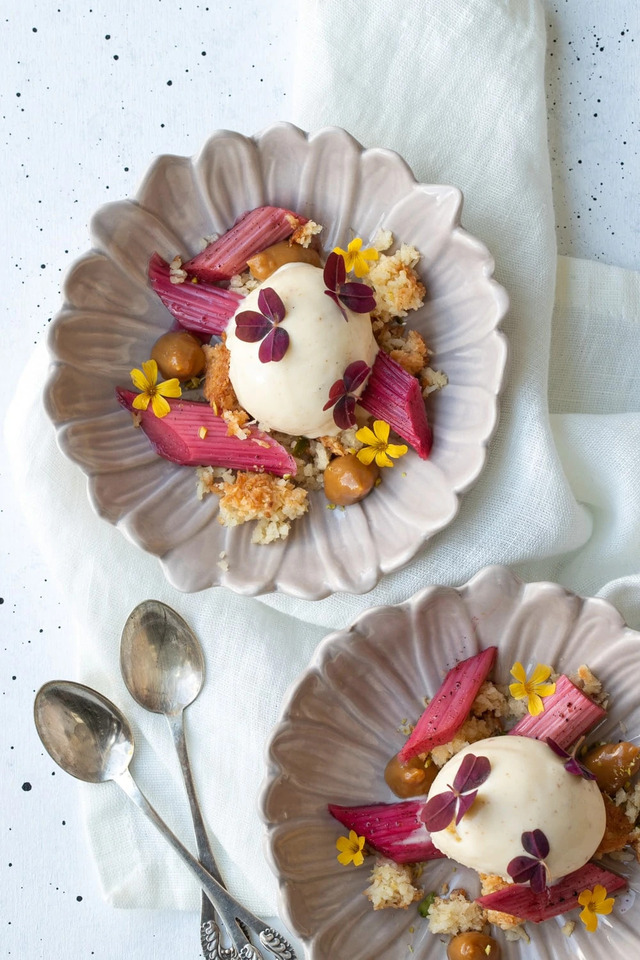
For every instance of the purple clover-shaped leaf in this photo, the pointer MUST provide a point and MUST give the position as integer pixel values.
(440, 810)
(572, 764)
(531, 869)
(357, 297)
(341, 396)
(253, 326)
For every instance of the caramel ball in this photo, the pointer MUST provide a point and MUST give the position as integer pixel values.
(612, 764)
(347, 480)
(178, 354)
(410, 779)
(473, 946)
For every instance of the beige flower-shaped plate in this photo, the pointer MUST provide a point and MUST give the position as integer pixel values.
(111, 318)
(341, 724)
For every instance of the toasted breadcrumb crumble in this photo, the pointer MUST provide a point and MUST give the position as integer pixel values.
(305, 233)
(396, 285)
(235, 421)
(216, 386)
(273, 501)
(243, 283)
(586, 681)
(455, 914)
(382, 240)
(392, 885)
(176, 273)
(472, 730)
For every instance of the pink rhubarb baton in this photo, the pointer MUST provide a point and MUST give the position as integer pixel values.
(393, 829)
(394, 395)
(200, 307)
(450, 706)
(176, 437)
(568, 714)
(519, 900)
(253, 232)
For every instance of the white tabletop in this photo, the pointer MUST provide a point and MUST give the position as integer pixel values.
(91, 92)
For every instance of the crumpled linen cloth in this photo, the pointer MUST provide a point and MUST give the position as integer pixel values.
(455, 86)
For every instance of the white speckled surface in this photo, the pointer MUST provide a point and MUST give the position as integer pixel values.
(91, 91)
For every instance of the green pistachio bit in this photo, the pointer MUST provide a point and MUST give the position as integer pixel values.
(425, 905)
(301, 446)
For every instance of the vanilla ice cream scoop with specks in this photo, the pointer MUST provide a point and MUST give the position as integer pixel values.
(288, 395)
(527, 789)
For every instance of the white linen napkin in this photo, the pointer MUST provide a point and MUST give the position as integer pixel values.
(456, 86)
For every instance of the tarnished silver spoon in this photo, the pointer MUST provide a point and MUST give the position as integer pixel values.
(90, 738)
(163, 667)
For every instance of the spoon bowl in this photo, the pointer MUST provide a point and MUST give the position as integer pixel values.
(83, 732)
(161, 659)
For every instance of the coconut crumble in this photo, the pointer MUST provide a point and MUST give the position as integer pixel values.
(392, 885)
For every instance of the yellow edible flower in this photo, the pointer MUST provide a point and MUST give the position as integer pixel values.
(377, 445)
(355, 258)
(145, 381)
(350, 849)
(594, 902)
(534, 689)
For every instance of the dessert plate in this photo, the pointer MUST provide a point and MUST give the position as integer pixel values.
(111, 318)
(341, 724)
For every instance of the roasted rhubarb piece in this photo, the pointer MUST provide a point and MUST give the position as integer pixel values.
(568, 714)
(201, 307)
(518, 899)
(394, 395)
(192, 435)
(450, 706)
(253, 232)
(393, 829)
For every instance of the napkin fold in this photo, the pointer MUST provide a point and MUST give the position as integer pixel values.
(455, 86)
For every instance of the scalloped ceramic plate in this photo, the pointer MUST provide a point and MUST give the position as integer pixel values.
(111, 318)
(340, 726)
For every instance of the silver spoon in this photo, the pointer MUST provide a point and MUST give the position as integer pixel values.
(89, 738)
(163, 667)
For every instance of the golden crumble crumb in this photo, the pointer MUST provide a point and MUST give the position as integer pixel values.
(235, 421)
(217, 387)
(432, 380)
(587, 681)
(305, 232)
(392, 885)
(396, 284)
(472, 730)
(243, 283)
(382, 240)
(176, 273)
(273, 501)
(490, 700)
(456, 914)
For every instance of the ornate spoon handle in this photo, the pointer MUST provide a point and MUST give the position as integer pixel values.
(228, 908)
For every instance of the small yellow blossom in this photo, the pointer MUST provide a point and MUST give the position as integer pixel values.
(594, 902)
(355, 258)
(534, 689)
(151, 391)
(376, 445)
(350, 849)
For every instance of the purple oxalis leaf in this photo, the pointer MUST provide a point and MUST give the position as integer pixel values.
(572, 764)
(527, 870)
(464, 802)
(271, 305)
(472, 772)
(535, 843)
(358, 297)
(251, 326)
(344, 412)
(355, 375)
(334, 296)
(439, 811)
(274, 346)
(335, 271)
